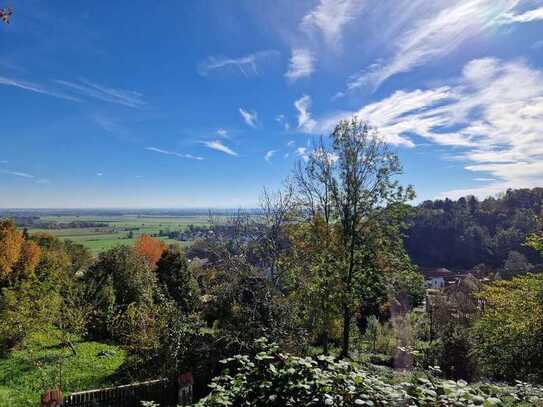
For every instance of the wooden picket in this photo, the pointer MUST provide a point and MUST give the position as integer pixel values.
(162, 391)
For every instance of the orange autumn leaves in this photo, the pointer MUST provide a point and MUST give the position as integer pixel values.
(150, 248)
(17, 255)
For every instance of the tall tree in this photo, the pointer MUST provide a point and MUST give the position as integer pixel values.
(176, 278)
(349, 181)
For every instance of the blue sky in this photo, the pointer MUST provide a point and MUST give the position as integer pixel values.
(204, 103)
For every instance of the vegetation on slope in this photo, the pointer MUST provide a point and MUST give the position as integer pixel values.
(273, 378)
(41, 362)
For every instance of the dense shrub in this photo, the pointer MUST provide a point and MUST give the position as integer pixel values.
(508, 336)
(273, 378)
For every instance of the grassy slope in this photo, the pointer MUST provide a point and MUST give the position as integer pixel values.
(25, 373)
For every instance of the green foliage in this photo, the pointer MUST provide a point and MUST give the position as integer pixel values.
(516, 264)
(120, 279)
(535, 241)
(176, 278)
(380, 337)
(25, 309)
(273, 378)
(509, 332)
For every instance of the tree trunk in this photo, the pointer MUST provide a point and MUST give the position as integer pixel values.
(346, 332)
(325, 342)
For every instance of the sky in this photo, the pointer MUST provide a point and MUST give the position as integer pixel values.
(200, 103)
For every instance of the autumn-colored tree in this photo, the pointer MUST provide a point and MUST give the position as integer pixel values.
(11, 242)
(150, 248)
(28, 260)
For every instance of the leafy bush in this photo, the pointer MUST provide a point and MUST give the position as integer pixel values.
(273, 378)
(509, 332)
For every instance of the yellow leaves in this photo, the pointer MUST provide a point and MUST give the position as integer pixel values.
(29, 258)
(514, 307)
(11, 241)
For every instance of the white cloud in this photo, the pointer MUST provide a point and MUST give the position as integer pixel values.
(282, 120)
(269, 155)
(433, 36)
(222, 132)
(302, 152)
(330, 17)
(36, 88)
(492, 117)
(305, 122)
(99, 174)
(301, 65)
(86, 88)
(526, 17)
(17, 174)
(219, 146)
(251, 118)
(290, 143)
(166, 152)
(482, 179)
(247, 65)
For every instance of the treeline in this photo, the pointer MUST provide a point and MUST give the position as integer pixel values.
(466, 233)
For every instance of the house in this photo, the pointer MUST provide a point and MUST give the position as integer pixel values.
(438, 278)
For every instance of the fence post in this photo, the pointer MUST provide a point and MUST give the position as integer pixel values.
(184, 394)
(51, 398)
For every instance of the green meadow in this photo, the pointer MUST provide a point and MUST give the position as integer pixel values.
(119, 230)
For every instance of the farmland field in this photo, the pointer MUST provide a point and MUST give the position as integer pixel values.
(117, 230)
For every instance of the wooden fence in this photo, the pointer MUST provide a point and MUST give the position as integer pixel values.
(165, 392)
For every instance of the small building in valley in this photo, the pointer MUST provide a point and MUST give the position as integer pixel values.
(438, 279)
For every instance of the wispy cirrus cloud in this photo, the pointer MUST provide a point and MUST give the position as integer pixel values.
(429, 37)
(128, 98)
(222, 132)
(17, 174)
(305, 122)
(36, 88)
(330, 17)
(20, 174)
(77, 91)
(268, 156)
(324, 23)
(526, 17)
(251, 118)
(173, 153)
(492, 117)
(301, 64)
(217, 145)
(247, 65)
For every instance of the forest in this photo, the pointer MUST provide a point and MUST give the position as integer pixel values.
(315, 300)
(469, 233)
